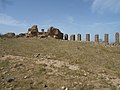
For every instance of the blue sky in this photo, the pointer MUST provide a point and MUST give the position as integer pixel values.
(70, 16)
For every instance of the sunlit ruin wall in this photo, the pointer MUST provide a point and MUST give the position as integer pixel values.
(117, 38)
(57, 34)
(96, 38)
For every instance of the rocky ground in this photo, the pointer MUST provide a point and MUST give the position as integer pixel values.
(48, 64)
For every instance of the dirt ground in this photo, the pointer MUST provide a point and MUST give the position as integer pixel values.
(49, 64)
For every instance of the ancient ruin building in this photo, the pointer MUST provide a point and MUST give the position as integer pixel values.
(65, 37)
(57, 34)
(9, 35)
(33, 31)
(54, 33)
(51, 32)
(96, 38)
(117, 38)
(79, 37)
(87, 37)
(72, 37)
(106, 39)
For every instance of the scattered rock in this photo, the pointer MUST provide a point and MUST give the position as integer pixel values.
(37, 55)
(1, 68)
(80, 83)
(10, 79)
(64, 88)
(85, 74)
(48, 57)
(17, 65)
(45, 86)
(5, 72)
(25, 77)
(11, 88)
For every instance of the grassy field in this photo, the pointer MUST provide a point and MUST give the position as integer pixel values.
(50, 64)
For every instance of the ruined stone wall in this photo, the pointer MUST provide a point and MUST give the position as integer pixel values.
(96, 38)
(72, 37)
(33, 31)
(87, 37)
(117, 38)
(65, 37)
(106, 39)
(57, 34)
(79, 37)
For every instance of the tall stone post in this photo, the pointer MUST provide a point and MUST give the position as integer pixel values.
(106, 39)
(87, 37)
(79, 37)
(96, 38)
(42, 30)
(65, 37)
(72, 37)
(117, 38)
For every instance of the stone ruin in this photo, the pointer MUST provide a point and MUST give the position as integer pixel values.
(9, 35)
(54, 33)
(79, 37)
(51, 32)
(57, 34)
(117, 39)
(87, 37)
(96, 38)
(72, 37)
(33, 31)
(65, 37)
(106, 39)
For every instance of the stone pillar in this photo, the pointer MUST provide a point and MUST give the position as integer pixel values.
(65, 37)
(106, 37)
(96, 38)
(117, 38)
(42, 30)
(79, 37)
(87, 37)
(72, 37)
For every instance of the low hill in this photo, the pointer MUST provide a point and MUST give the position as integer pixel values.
(50, 64)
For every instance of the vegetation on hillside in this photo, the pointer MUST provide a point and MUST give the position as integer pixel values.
(50, 64)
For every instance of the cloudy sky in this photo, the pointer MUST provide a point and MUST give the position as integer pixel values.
(70, 16)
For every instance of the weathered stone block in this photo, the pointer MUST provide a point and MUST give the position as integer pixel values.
(87, 37)
(117, 38)
(96, 38)
(79, 37)
(72, 37)
(106, 39)
(65, 37)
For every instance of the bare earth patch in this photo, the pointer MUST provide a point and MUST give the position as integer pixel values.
(38, 64)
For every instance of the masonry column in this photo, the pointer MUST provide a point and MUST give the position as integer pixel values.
(79, 37)
(72, 37)
(106, 36)
(96, 38)
(87, 37)
(117, 38)
(66, 37)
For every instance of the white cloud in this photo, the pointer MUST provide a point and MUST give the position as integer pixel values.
(70, 19)
(8, 20)
(102, 6)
